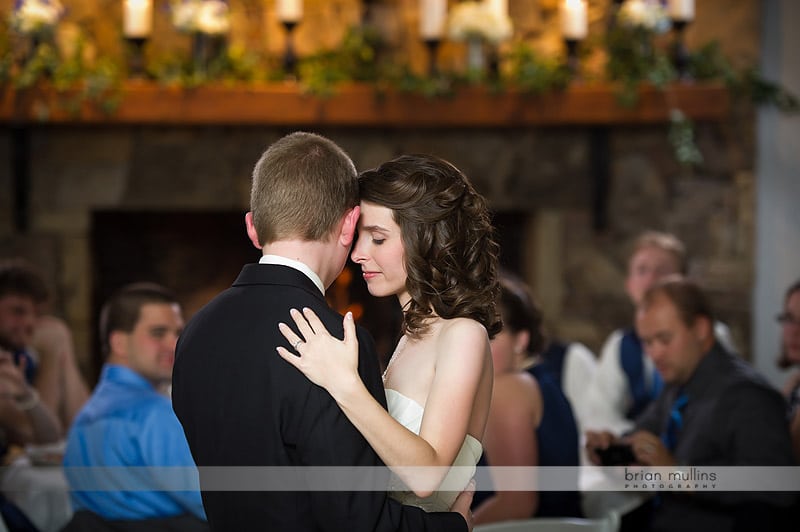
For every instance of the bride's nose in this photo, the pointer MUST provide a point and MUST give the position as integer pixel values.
(357, 255)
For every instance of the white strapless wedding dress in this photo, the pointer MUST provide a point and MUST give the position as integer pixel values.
(409, 413)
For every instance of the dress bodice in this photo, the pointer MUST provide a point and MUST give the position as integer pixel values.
(409, 414)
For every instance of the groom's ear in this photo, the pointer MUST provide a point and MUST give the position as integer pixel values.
(251, 229)
(349, 226)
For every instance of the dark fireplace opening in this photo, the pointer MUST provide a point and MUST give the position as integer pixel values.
(198, 254)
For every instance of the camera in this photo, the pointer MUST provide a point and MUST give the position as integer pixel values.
(616, 454)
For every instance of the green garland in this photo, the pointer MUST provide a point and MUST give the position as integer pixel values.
(363, 56)
(76, 81)
(533, 74)
(633, 59)
(224, 64)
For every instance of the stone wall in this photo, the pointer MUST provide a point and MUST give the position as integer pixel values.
(537, 180)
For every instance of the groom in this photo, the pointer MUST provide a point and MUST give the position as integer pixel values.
(241, 404)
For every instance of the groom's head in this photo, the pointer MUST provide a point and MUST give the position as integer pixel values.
(302, 187)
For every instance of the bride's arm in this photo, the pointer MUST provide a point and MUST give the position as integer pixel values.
(333, 364)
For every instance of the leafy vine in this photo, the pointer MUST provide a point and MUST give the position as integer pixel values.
(363, 56)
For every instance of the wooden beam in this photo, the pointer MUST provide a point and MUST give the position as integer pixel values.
(361, 105)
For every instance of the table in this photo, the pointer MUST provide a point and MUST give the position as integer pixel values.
(41, 491)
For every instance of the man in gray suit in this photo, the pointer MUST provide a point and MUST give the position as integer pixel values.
(714, 411)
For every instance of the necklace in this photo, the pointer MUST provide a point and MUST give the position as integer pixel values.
(398, 351)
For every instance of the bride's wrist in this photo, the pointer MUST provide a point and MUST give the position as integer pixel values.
(348, 390)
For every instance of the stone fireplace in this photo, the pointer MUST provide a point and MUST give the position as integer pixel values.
(115, 204)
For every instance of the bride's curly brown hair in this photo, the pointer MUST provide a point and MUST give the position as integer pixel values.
(451, 255)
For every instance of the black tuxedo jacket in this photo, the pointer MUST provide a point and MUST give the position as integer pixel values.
(241, 404)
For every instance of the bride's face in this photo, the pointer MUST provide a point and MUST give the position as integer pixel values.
(379, 251)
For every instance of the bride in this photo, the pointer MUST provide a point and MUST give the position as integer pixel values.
(424, 236)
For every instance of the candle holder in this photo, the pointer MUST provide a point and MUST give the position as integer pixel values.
(613, 12)
(432, 44)
(366, 14)
(493, 60)
(680, 54)
(289, 57)
(136, 57)
(572, 56)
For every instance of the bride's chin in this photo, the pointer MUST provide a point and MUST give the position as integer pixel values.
(376, 292)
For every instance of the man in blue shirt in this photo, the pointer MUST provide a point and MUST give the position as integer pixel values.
(128, 424)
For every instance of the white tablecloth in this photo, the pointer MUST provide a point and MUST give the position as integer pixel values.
(596, 498)
(41, 492)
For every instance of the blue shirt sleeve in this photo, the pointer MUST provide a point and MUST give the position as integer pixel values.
(163, 446)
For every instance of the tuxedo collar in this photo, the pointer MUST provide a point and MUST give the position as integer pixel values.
(297, 265)
(276, 274)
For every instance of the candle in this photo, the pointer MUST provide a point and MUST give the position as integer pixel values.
(289, 10)
(499, 7)
(681, 9)
(432, 14)
(574, 23)
(137, 22)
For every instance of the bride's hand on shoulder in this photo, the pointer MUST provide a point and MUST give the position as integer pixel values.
(324, 359)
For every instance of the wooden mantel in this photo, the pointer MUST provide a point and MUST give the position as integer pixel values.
(283, 104)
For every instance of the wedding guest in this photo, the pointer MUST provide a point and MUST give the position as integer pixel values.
(21, 289)
(59, 381)
(625, 380)
(128, 426)
(715, 410)
(530, 420)
(24, 418)
(790, 357)
(43, 341)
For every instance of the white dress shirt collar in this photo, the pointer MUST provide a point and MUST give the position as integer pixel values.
(297, 265)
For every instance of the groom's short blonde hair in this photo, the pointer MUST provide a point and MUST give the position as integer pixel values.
(302, 186)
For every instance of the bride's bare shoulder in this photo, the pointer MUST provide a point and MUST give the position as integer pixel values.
(461, 335)
(461, 327)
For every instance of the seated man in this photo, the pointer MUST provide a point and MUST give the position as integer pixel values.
(625, 381)
(128, 424)
(715, 410)
(43, 342)
(24, 417)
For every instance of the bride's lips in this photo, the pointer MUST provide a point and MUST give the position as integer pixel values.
(369, 275)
